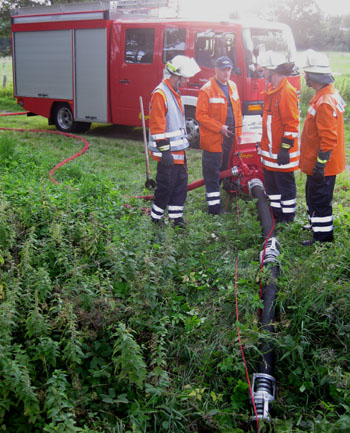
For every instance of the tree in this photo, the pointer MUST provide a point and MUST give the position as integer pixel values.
(337, 34)
(5, 22)
(304, 18)
(5, 17)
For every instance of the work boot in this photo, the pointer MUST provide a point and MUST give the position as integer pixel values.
(307, 227)
(179, 222)
(158, 222)
(308, 242)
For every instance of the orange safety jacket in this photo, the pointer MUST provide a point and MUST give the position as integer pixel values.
(280, 123)
(324, 130)
(211, 114)
(157, 119)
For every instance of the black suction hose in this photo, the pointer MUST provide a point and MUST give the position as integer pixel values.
(256, 189)
(264, 384)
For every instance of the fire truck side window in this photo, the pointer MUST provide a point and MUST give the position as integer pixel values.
(174, 43)
(139, 45)
(209, 46)
(256, 41)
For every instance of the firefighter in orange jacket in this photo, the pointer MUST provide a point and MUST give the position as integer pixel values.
(168, 140)
(279, 142)
(322, 145)
(219, 115)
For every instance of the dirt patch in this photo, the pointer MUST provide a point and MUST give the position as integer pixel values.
(116, 131)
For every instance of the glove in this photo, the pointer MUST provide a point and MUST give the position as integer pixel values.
(318, 172)
(167, 159)
(163, 145)
(320, 164)
(283, 156)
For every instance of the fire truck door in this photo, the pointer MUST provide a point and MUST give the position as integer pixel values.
(43, 64)
(138, 73)
(91, 75)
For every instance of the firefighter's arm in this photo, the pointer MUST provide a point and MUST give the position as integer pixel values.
(202, 114)
(157, 121)
(326, 124)
(289, 113)
(158, 110)
(157, 125)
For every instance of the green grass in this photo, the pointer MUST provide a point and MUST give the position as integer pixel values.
(339, 62)
(108, 324)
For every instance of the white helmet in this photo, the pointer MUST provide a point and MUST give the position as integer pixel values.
(315, 62)
(271, 60)
(182, 66)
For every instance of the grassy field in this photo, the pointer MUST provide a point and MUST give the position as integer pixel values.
(339, 62)
(110, 325)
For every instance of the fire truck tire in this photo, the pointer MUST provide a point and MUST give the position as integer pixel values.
(64, 120)
(192, 127)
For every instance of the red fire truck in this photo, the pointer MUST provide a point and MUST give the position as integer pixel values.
(90, 62)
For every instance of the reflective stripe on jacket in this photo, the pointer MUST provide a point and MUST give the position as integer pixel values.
(167, 121)
(324, 129)
(211, 114)
(280, 121)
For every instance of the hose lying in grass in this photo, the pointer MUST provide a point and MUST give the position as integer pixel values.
(46, 131)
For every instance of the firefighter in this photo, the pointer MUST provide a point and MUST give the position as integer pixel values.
(168, 140)
(322, 145)
(279, 142)
(219, 115)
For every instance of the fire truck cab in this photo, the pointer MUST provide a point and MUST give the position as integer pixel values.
(89, 62)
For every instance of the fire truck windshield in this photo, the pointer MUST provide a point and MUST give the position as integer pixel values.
(258, 40)
(210, 45)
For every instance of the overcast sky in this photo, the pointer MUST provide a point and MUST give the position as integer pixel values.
(209, 8)
(335, 7)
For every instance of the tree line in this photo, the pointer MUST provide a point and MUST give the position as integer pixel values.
(310, 25)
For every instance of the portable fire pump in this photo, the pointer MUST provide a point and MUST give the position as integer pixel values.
(245, 164)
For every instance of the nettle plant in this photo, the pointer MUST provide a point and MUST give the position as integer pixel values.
(108, 324)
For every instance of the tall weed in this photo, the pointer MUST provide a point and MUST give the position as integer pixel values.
(110, 324)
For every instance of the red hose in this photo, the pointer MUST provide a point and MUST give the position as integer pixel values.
(57, 166)
(14, 114)
(191, 186)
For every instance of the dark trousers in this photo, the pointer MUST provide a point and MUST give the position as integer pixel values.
(171, 191)
(282, 192)
(226, 149)
(319, 207)
(211, 164)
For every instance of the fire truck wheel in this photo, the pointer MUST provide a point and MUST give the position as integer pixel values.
(192, 127)
(64, 120)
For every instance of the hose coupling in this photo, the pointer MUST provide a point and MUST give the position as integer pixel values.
(264, 391)
(235, 171)
(271, 251)
(253, 183)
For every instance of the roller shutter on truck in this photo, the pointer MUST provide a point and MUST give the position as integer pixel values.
(91, 75)
(43, 64)
(44, 68)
